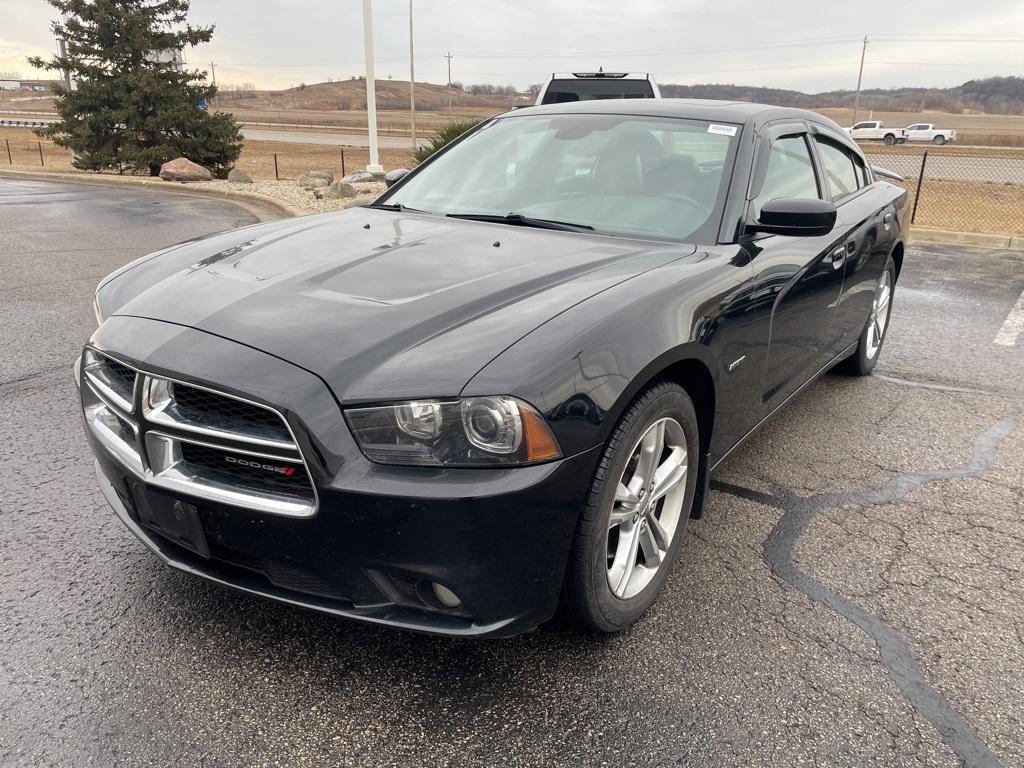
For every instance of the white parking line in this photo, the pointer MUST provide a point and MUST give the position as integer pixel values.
(1013, 326)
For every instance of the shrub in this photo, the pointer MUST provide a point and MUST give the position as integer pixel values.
(445, 136)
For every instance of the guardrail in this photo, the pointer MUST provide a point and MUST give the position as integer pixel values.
(5, 123)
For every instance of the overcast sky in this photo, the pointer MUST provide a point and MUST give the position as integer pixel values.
(808, 46)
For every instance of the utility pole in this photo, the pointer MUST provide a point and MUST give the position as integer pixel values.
(213, 78)
(62, 51)
(412, 83)
(860, 77)
(371, 92)
(449, 57)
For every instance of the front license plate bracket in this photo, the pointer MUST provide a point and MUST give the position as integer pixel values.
(175, 520)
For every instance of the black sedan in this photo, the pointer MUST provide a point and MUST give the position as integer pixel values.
(501, 389)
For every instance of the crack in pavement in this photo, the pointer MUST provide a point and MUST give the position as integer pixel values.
(894, 650)
(951, 388)
(30, 380)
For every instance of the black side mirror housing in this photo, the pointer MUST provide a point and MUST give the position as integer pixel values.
(796, 217)
(393, 177)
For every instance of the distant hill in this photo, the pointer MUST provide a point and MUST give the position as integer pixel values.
(351, 95)
(994, 96)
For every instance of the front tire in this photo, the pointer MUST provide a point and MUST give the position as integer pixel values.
(632, 525)
(863, 359)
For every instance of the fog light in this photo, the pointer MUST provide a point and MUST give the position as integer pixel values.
(445, 596)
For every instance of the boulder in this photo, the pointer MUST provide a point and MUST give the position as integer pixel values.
(340, 189)
(239, 177)
(309, 180)
(359, 177)
(183, 169)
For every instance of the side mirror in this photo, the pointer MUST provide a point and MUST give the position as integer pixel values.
(393, 177)
(796, 217)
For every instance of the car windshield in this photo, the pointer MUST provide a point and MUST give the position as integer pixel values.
(615, 174)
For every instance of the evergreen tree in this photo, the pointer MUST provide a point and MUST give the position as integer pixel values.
(131, 109)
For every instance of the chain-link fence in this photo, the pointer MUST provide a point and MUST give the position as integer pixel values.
(290, 161)
(959, 188)
(32, 153)
(261, 160)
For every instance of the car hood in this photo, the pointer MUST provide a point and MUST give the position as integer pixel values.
(379, 304)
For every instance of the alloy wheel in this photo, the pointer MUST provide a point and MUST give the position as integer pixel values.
(647, 509)
(879, 317)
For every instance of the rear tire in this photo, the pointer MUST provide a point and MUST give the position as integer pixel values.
(869, 346)
(939, 140)
(889, 139)
(633, 520)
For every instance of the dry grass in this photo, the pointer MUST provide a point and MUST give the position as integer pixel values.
(295, 159)
(257, 156)
(388, 121)
(972, 123)
(970, 206)
(24, 147)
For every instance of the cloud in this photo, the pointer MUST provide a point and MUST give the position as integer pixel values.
(277, 44)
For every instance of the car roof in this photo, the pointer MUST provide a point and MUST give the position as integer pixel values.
(742, 112)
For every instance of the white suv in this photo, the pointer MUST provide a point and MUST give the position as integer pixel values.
(584, 86)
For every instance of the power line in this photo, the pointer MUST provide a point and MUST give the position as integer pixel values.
(609, 53)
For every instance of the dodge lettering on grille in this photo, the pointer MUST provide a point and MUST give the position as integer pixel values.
(286, 471)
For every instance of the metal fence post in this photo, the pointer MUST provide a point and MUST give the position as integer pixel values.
(276, 175)
(9, 158)
(40, 145)
(920, 178)
(343, 162)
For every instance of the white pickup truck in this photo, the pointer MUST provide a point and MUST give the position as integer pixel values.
(928, 132)
(875, 129)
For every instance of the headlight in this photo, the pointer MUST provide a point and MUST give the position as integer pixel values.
(471, 431)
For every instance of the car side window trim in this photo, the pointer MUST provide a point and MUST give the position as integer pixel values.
(762, 154)
(763, 158)
(823, 176)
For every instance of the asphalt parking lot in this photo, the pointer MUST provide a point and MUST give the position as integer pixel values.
(853, 596)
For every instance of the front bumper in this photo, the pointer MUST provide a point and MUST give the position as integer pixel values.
(380, 536)
(371, 558)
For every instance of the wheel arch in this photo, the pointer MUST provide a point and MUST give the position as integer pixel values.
(897, 257)
(692, 367)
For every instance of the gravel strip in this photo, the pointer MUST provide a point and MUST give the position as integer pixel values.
(304, 199)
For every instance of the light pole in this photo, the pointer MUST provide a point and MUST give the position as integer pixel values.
(412, 84)
(371, 94)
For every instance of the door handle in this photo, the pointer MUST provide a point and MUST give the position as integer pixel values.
(839, 257)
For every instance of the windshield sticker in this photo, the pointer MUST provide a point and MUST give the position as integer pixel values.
(724, 130)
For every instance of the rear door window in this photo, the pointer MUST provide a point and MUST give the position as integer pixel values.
(839, 169)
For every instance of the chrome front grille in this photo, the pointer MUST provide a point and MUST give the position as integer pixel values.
(188, 438)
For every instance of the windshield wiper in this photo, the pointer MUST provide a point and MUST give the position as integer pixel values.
(519, 220)
(393, 207)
